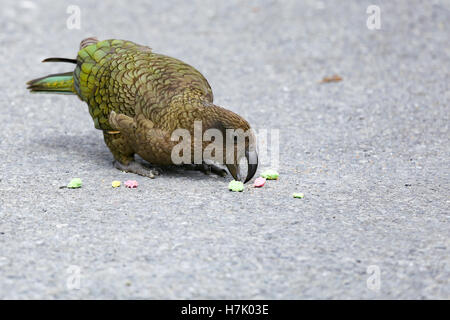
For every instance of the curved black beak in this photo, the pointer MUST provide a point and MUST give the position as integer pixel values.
(252, 166)
(252, 161)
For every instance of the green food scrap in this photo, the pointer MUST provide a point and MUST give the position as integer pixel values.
(298, 195)
(75, 183)
(270, 174)
(236, 186)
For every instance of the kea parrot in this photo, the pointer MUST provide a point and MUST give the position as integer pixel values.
(138, 98)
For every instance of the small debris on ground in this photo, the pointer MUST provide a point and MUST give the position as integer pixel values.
(298, 195)
(259, 182)
(270, 174)
(115, 184)
(133, 184)
(236, 186)
(333, 78)
(74, 183)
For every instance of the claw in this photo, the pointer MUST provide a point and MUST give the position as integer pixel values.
(137, 168)
(212, 168)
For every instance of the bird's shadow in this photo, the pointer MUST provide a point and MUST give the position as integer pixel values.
(82, 147)
(90, 148)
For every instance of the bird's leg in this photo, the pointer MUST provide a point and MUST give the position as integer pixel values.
(123, 154)
(211, 168)
(207, 169)
(137, 168)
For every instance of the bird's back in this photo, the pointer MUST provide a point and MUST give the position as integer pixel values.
(112, 75)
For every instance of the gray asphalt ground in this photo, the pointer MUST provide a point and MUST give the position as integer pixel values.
(370, 153)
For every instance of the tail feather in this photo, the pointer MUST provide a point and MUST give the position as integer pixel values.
(60, 60)
(54, 83)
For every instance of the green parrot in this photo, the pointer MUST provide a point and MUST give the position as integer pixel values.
(138, 98)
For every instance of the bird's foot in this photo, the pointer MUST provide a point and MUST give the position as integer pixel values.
(211, 168)
(137, 168)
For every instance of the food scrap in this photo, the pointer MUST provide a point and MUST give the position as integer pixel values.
(298, 195)
(270, 174)
(131, 184)
(236, 186)
(74, 183)
(259, 182)
(115, 184)
(333, 78)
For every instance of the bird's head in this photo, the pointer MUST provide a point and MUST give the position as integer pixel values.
(238, 141)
